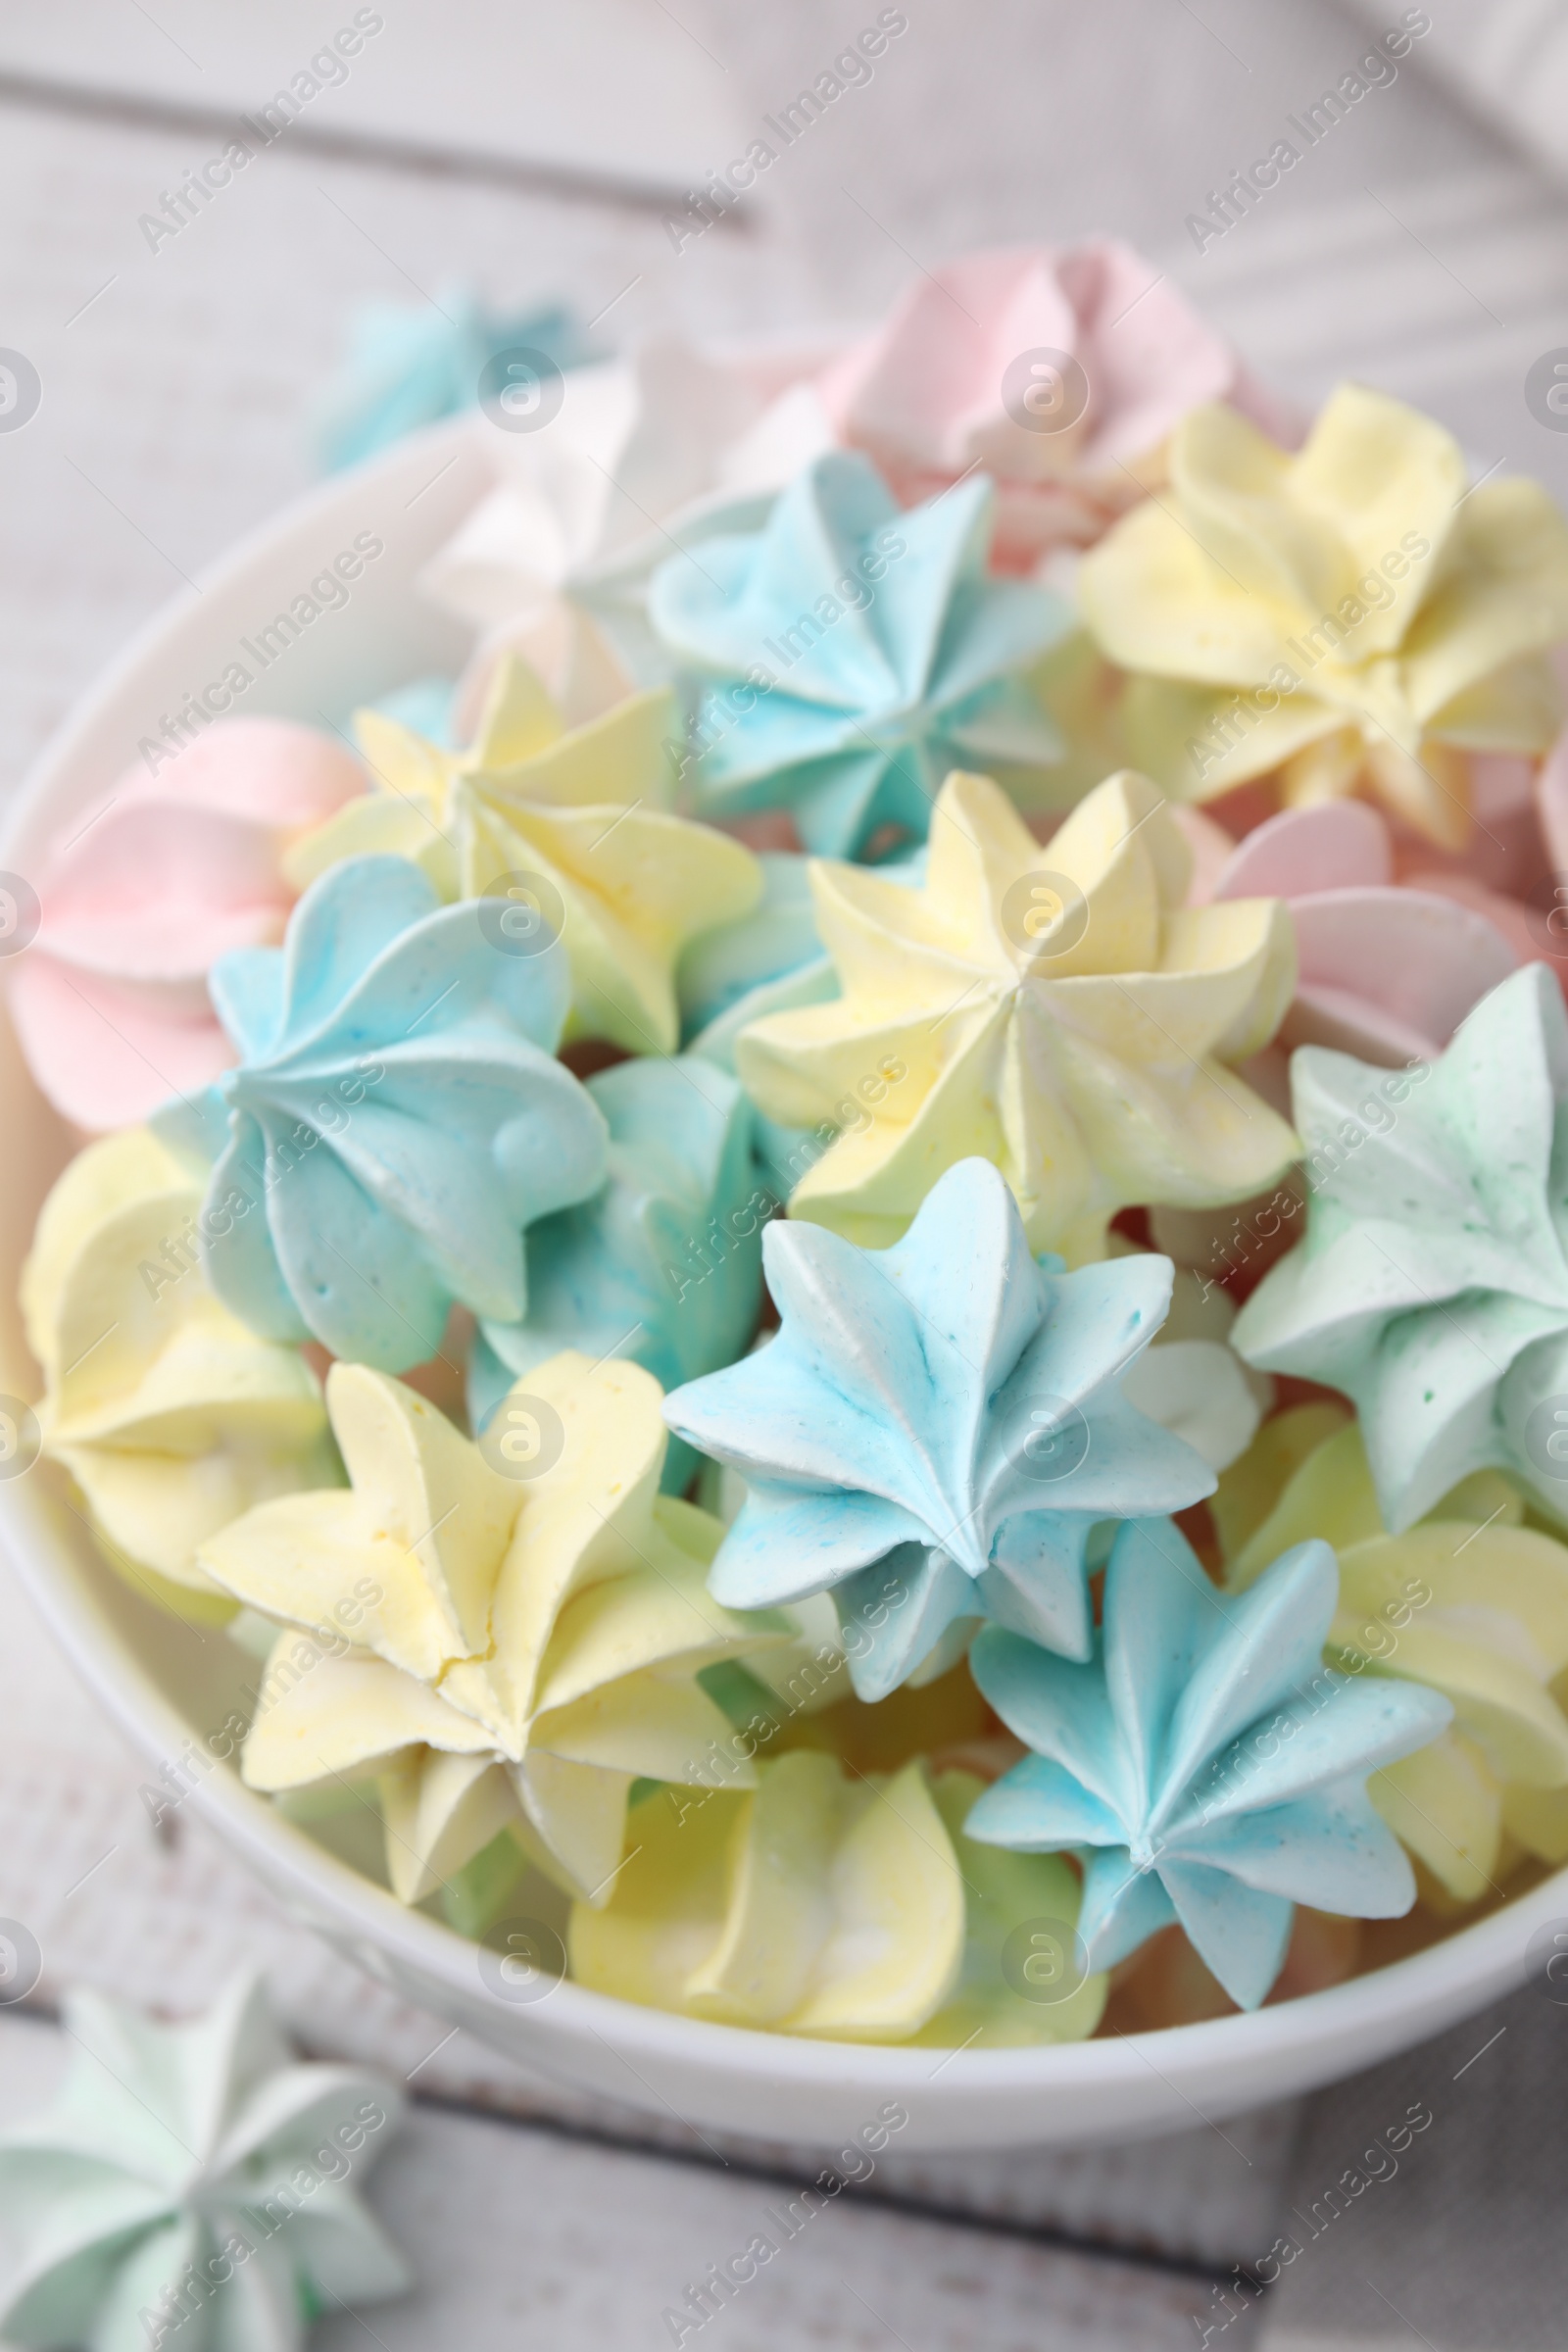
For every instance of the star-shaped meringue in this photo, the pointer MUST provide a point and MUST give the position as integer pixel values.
(1209, 1765)
(888, 653)
(1096, 1073)
(586, 810)
(935, 1429)
(194, 2185)
(1470, 1602)
(1432, 1284)
(396, 1119)
(523, 1647)
(170, 1415)
(1375, 616)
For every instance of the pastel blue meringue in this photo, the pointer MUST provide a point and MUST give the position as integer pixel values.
(1206, 1764)
(890, 655)
(1432, 1284)
(935, 1429)
(411, 364)
(396, 1119)
(664, 1264)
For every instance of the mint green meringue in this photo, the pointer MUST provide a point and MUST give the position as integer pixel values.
(1432, 1284)
(194, 2186)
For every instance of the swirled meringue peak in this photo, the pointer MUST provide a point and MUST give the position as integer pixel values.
(1353, 615)
(1055, 1010)
(1432, 1284)
(194, 2185)
(1212, 1766)
(664, 1264)
(180, 862)
(396, 1118)
(575, 824)
(833, 1905)
(846, 655)
(935, 1429)
(1072, 440)
(526, 1639)
(170, 1415)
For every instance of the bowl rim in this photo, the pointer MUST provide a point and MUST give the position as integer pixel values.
(1292, 2045)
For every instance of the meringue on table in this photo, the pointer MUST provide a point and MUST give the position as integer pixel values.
(193, 2184)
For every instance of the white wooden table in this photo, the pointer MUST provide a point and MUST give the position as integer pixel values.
(1417, 250)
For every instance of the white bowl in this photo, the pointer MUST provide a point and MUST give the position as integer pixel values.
(162, 1682)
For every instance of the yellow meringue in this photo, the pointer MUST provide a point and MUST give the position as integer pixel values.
(503, 1654)
(584, 812)
(1055, 1010)
(1351, 615)
(171, 1417)
(831, 1904)
(1471, 1602)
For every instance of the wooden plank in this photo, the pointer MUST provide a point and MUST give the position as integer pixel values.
(512, 82)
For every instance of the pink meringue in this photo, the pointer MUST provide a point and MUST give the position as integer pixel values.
(1384, 970)
(141, 897)
(930, 393)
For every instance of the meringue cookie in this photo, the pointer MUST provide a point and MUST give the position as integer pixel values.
(935, 1429)
(409, 364)
(664, 1265)
(1373, 615)
(944, 384)
(820, 1906)
(1432, 1284)
(1212, 1766)
(848, 655)
(525, 1647)
(194, 2185)
(1470, 1602)
(582, 817)
(1096, 1074)
(554, 562)
(1381, 973)
(179, 863)
(397, 1118)
(171, 1418)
